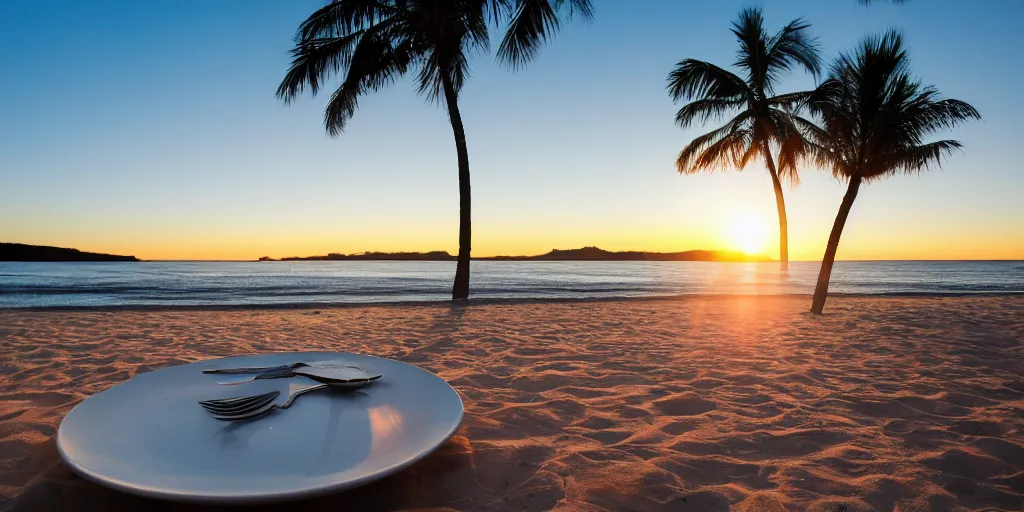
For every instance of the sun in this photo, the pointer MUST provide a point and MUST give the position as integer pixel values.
(747, 233)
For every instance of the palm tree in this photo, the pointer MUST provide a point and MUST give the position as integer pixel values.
(761, 120)
(372, 43)
(875, 118)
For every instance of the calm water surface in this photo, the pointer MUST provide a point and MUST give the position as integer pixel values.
(323, 282)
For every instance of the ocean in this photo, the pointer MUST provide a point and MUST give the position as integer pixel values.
(177, 283)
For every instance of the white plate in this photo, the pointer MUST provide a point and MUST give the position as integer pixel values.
(149, 436)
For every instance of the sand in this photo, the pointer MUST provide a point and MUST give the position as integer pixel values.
(693, 404)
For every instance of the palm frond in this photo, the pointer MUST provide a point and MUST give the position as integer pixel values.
(477, 35)
(532, 23)
(693, 78)
(792, 143)
(581, 8)
(913, 160)
(824, 157)
(790, 101)
(792, 151)
(342, 17)
(376, 62)
(764, 58)
(826, 93)
(316, 60)
(706, 109)
(932, 115)
(327, 40)
(808, 129)
(729, 150)
(708, 153)
(792, 45)
(752, 53)
(743, 157)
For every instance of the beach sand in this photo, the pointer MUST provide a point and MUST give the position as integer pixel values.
(691, 404)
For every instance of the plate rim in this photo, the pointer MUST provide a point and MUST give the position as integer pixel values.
(249, 498)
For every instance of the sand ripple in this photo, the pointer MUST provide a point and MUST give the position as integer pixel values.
(697, 404)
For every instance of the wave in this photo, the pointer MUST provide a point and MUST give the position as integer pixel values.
(225, 284)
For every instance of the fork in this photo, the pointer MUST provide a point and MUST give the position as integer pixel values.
(251, 407)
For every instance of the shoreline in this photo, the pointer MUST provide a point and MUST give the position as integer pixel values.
(498, 301)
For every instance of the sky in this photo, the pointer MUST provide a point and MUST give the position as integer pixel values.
(151, 129)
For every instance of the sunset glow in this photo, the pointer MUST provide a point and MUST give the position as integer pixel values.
(231, 173)
(747, 233)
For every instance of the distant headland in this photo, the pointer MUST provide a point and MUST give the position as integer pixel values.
(24, 252)
(582, 254)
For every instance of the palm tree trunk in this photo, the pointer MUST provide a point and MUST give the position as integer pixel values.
(460, 290)
(821, 290)
(780, 205)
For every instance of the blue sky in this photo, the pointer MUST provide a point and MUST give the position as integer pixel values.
(151, 128)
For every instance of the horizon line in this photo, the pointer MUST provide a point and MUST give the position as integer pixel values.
(556, 261)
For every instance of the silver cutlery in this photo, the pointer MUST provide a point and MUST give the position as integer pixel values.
(289, 366)
(331, 374)
(252, 407)
(276, 373)
(348, 378)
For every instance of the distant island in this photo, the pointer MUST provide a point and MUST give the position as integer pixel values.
(583, 254)
(24, 252)
(597, 254)
(416, 256)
